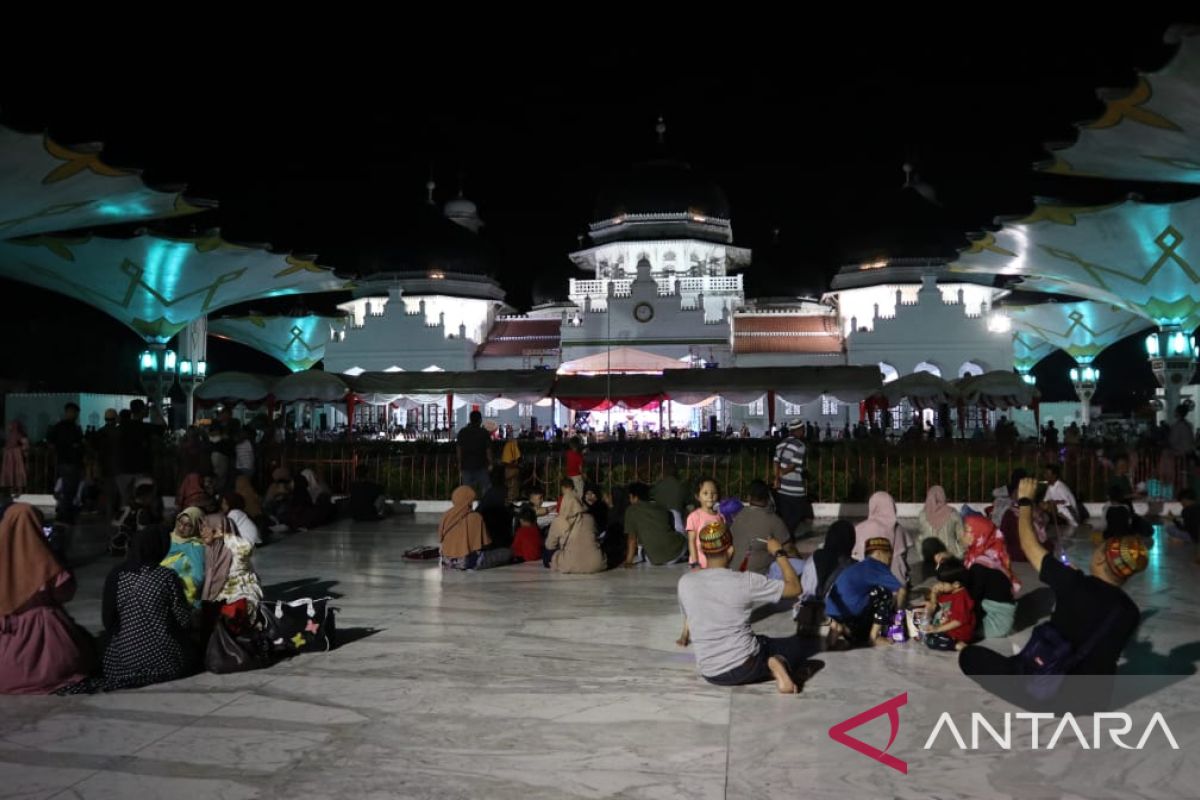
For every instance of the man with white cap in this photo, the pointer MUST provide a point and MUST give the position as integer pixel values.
(791, 490)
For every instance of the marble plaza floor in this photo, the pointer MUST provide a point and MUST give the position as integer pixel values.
(518, 683)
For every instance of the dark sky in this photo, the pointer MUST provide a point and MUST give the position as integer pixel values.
(806, 134)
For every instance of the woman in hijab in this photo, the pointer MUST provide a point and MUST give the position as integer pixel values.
(461, 532)
(615, 543)
(833, 556)
(41, 648)
(496, 512)
(593, 503)
(572, 537)
(16, 451)
(881, 523)
(147, 618)
(938, 523)
(186, 555)
(990, 579)
(322, 499)
(279, 494)
(253, 504)
(299, 513)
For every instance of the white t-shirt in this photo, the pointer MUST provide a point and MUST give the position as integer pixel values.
(717, 603)
(245, 456)
(1061, 496)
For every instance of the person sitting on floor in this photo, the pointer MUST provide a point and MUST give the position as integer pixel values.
(233, 505)
(148, 620)
(650, 525)
(527, 541)
(990, 579)
(462, 534)
(196, 490)
(1186, 526)
(1059, 499)
(186, 554)
(368, 503)
(863, 600)
(41, 648)
(952, 622)
(717, 604)
(938, 522)
(322, 499)
(881, 523)
(754, 523)
(1091, 612)
(144, 512)
(572, 542)
(493, 506)
(278, 499)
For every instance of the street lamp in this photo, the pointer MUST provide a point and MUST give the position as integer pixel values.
(156, 373)
(1084, 380)
(1172, 354)
(191, 374)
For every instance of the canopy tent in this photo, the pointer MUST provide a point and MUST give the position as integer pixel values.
(234, 387)
(796, 385)
(297, 341)
(996, 390)
(1148, 133)
(480, 387)
(157, 285)
(1028, 350)
(1132, 254)
(921, 390)
(622, 360)
(602, 392)
(1082, 329)
(46, 187)
(310, 386)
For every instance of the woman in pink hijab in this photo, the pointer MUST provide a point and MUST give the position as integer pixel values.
(16, 450)
(881, 521)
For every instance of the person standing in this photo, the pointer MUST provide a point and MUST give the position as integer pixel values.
(13, 475)
(66, 437)
(134, 456)
(475, 454)
(791, 490)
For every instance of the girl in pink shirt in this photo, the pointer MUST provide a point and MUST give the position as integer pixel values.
(708, 494)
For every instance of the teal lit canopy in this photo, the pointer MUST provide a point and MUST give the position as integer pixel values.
(1141, 257)
(1029, 350)
(297, 341)
(1148, 133)
(46, 187)
(1082, 329)
(157, 285)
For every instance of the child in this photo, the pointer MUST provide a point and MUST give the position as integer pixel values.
(708, 494)
(537, 504)
(953, 623)
(527, 541)
(862, 601)
(566, 488)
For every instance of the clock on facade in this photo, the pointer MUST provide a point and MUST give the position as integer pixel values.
(643, 312)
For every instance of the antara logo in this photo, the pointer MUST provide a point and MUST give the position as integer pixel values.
(1122, 726)
(890, 707)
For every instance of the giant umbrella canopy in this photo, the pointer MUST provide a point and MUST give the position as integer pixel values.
(296, 341)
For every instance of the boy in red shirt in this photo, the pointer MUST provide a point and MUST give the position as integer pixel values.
(953, 623)
(527, 541)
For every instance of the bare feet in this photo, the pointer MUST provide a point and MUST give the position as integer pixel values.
(782, 674)
(881, 641)
(960, 645)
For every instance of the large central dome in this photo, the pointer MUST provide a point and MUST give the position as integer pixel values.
(661, 187)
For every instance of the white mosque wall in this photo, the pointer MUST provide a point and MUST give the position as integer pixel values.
(867, 304)
(399, 339)
(929, 333)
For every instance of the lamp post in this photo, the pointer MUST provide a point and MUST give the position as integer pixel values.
(1084, 379)
(156, 373)
(191, 375)
(1172, 355)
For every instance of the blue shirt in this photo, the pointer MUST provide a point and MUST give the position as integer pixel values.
(850, 592)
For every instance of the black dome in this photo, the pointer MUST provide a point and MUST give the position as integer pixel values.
(429, 242)
(902, 224)
(661, 187)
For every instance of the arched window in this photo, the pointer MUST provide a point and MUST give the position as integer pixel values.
(889, 372)
(930, 367)
(971, 368)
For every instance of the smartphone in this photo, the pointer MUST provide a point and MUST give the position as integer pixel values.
(47, 531)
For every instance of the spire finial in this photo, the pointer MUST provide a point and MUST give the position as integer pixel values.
(661, 130)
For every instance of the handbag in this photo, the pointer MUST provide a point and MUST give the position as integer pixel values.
(300, 626)
(1049, 656)
(227, 653)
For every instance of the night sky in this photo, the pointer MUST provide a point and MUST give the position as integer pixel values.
(807, 135)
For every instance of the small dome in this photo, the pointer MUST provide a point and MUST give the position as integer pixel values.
(464, 212)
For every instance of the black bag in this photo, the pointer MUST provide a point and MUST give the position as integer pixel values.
(299, 626)
(1048, 657)
(228, 653)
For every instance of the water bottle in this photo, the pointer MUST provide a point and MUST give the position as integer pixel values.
(896, 630)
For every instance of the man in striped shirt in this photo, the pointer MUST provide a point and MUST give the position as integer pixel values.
(791, 492)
